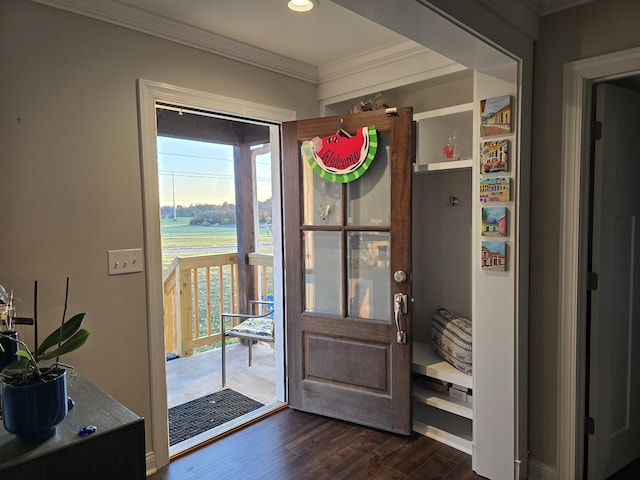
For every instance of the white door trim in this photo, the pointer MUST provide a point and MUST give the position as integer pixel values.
(148, 94)
(578, 79)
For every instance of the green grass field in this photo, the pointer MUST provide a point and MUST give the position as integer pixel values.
(179, 235)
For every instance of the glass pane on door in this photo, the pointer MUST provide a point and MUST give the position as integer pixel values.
(368, 275)
(369, 198)
(322, 199)
(323, 272)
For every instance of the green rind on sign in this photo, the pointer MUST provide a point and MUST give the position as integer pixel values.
(345, 177)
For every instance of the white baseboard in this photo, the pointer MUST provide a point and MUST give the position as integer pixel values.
(150, 459)
(541, 471)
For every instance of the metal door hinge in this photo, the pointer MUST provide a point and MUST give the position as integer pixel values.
(590, 425)
(597, 130)
(592, 281)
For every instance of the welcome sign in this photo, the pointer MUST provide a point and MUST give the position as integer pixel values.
(342, 158)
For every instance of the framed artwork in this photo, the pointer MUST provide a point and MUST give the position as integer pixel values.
(495, 189)
(494, 256)
(494, 221)
(495, 116)
(494, 156)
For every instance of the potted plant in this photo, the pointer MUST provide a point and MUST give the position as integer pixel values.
(34, 396)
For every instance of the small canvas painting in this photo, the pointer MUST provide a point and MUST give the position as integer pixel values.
(494, 221)
(494, 156)
(495, 189)
(494, 256)
(495, 116)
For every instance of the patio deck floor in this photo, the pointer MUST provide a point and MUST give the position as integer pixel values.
(198, 375)
(195, 376)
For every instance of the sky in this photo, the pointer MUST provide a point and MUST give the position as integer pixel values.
(495, 104)
(202, 172)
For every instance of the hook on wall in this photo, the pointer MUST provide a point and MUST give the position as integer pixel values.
(453, 201)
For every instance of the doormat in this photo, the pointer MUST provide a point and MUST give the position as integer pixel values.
(197, 416)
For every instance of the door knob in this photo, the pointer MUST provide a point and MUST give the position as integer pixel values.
(399, 276)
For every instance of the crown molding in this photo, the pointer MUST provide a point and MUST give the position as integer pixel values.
(133, 18)
(397, 65)
(546, 7)
(396, 56)
(379, 57)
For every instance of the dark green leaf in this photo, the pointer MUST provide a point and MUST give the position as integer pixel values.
(73, 343)
(69, 327)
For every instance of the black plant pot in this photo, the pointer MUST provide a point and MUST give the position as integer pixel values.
(34, 411)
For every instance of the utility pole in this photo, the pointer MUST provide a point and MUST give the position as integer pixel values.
(173, 192)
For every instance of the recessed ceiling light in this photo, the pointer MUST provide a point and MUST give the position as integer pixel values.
(301, 5)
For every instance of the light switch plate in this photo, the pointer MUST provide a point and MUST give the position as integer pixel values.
(125, 261)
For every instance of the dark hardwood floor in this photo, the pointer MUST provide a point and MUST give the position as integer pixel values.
(630, 472)
(294, 445)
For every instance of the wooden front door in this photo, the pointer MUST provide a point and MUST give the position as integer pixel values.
(347, 249)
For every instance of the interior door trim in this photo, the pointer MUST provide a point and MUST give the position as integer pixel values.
(579, 77)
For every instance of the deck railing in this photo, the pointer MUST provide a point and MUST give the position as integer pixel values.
(197, 290)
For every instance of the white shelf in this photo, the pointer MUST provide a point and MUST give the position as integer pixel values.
(433, 129)
(438, 415)
(452, 430)
(443, 166)
(426, 362)
(442, 401)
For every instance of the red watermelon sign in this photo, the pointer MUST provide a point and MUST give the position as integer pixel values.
(341, 157)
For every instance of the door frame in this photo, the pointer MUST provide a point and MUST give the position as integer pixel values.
(149, 93)
(579, 77)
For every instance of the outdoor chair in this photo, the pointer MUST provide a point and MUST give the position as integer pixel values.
(256, 326)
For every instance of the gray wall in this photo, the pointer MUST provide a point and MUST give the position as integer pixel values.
(71, 186)
(70, 183)
(581, 32)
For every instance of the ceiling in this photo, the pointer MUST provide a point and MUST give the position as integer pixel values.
(317, 37)
(271, 36)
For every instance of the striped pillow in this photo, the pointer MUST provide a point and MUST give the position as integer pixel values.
(451, 339)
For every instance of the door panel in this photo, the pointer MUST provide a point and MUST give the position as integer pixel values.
(368, 362)
(342, 244)
(614, 392)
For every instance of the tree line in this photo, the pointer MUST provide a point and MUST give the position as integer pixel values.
(208, 214)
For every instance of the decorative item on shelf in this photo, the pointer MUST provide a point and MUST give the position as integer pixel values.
(495, 189)
(34, 396)
(367, 105)
(495, 116)
(494, 256)
(451, 149)
(494, 156)
(494, 221)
